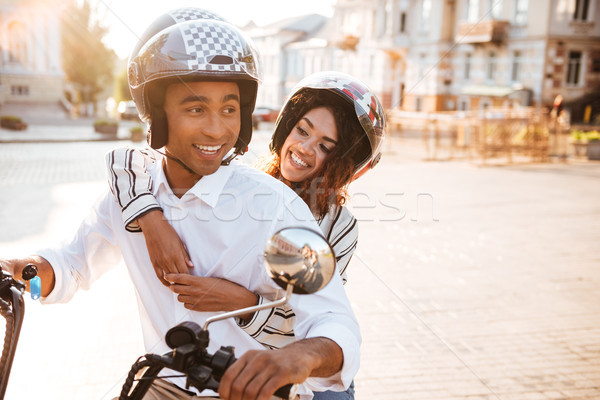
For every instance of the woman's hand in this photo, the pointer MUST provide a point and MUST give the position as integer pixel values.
(166, 250)
(211, 294)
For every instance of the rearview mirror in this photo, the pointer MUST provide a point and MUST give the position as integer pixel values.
(300, 257)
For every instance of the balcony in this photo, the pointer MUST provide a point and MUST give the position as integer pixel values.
(491, 31)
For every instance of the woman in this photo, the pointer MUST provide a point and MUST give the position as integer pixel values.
(328, 133)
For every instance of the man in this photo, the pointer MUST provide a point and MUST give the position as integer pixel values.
(196, 83)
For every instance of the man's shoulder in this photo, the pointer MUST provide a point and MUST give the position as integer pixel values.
(251, 177)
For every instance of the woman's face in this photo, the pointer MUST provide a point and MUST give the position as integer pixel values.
(307, 146)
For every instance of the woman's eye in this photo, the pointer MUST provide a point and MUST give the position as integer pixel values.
(325, 148)
(302, 132)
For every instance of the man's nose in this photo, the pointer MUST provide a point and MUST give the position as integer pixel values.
(214, 126)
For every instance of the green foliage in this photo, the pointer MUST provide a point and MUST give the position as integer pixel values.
(10, 118)
(87, 62)
(122, 92)
(105, 122)
(580, 136)
(12, 122)
(137, 129)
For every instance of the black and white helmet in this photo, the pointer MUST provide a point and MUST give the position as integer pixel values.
(201, 49)
(171, 18)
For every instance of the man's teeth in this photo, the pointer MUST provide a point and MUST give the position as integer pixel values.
(297, 160)
(207, 149)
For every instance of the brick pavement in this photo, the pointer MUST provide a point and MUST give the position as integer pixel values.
(492, 293)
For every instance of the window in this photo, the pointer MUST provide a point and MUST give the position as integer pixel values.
(425, 15)
(491, 71)
(596, 62)
(374, 21)
(19, 90)
(582, 8)
(496, 7)
(17, 45)
(574, 68)
(468, 58)
(521, 7)
(516, 67)
(422, 65)
(473, 10)
(402, 22)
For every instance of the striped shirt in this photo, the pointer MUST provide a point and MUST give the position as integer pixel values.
(132, 187)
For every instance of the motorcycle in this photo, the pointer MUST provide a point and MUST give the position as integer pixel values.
(298, 260)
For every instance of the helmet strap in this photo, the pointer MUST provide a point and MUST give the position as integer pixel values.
(230, 157)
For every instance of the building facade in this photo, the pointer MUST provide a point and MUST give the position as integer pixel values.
(30, 52)
(436, 55)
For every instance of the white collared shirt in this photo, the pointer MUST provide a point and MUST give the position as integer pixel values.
(225, 221)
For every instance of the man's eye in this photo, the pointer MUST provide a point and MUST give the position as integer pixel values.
(196, 110)
(229, 110)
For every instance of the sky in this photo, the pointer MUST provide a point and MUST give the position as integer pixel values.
(127, 19)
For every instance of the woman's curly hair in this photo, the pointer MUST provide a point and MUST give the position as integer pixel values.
(327, 188)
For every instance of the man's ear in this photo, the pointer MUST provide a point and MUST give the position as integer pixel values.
(159, 128)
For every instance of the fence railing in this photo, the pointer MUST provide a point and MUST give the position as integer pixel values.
(515, 134)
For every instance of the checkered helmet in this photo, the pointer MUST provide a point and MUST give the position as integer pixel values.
(368, 109)
(171, 18)
(191, 51)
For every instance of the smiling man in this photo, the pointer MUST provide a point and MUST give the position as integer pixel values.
(196, 83)
(205, 118)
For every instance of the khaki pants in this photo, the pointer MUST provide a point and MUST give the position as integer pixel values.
(163, 390)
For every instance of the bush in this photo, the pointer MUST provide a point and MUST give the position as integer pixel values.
(106, 126)
(137, 133)
(12, 122)
(580, 136)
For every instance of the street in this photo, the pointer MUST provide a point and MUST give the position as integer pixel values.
(469, 282)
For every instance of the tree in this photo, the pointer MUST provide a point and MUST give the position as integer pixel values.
(87, 62)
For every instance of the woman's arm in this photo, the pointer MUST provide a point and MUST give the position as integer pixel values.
(130, 183)
(343, 237)
(274, 328)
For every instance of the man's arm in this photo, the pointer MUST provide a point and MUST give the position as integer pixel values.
(45, 272)
(259, 373)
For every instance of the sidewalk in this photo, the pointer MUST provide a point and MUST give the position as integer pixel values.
(80, 130)
(469, 282)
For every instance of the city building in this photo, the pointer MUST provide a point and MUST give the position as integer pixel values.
(437, 55)
(30, 53)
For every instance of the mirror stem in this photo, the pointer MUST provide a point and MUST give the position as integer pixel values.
(252, 309)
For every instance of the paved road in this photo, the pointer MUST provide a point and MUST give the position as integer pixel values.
(469, 282)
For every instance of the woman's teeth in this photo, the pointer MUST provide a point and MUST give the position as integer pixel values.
(207, 149)
(298, 161)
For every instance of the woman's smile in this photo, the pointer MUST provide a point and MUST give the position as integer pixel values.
(308, 145)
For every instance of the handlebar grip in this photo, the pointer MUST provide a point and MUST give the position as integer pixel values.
(287, 392)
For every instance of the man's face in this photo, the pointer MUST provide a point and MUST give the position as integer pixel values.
(204, 123)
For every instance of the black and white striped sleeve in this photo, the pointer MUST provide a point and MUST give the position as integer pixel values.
(342, 235)
(131, 184)
(273, 327)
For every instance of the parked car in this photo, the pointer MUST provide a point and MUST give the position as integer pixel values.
(264, 114)
(127, 111)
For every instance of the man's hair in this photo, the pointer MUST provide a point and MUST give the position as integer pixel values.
(328, 187)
